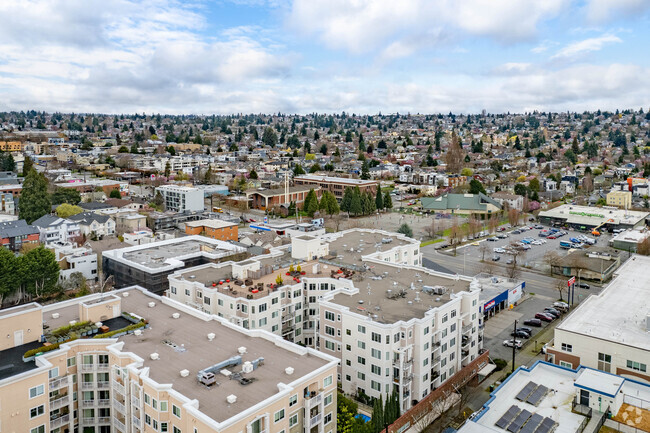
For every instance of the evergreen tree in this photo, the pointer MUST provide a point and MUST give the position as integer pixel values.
(406, 230)
(347, 200)
(207, 177)
(355, 203)
(34, 201)
(323, 148)
(298, 170)
(27, 165)
(378, 414)
(388, 201)
(253, 174)
(41, 271)
(379, 199)
(309, 198)
(365, 170)
(168, 169)
(270, 138)
(312, 208)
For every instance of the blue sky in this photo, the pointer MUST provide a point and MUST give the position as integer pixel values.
(302, 56)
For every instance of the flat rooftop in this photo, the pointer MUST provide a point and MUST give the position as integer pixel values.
(493, 285)
(618, 313)
(212, 223)
(588, 215)
(353, 245)
(183, 344)
(406, 287)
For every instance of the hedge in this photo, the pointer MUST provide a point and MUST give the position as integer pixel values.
(41, 349)
(63, 330)
(117, 331)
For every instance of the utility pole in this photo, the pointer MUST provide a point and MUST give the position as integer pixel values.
(514, 346)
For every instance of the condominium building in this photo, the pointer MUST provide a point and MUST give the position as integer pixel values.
(181, 198)
(609, 331)
(179, 370)
(358, 295)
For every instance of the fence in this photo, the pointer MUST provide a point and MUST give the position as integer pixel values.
(637, 402)
(457, 381)
(623, 428)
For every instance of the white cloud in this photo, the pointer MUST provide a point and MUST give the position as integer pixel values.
(585, 46)
(599, 11)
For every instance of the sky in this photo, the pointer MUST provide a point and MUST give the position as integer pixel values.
(304, 56)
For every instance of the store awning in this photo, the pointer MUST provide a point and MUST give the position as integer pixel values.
(489, 368)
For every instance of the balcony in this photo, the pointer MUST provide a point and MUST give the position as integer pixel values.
(103, 367)
(104, 420)
(136, 422)
(119, 425)
(118, 387)
(87, 367)
(60, 421)
(87, 385)
(467, 328)
(103, 384)
(87, 403)
(435, 360)
(88, 421)
(60, 402)
(119, 406)
(315, 420)
(59, 382)
(104, 402)
(313, 400)
(135, 401)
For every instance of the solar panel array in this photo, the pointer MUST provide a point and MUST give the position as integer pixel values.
(507, 417)
(532, 423)
(526, 391)
(547, 426)
(537, 396)
(518, 423)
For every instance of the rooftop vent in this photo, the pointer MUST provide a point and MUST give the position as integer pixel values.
(138, 332)
(176, 315)
(247, 367)
(72, 322)
(225, 372)
(241, 350)
(99, 324)
(185, 373)
(211, 336)
(125, 294)
(55, 315)
(232, 398)
(152, 304)
(154, 356)
(207, 378)
(289, 370)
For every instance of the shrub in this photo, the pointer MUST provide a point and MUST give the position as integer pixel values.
(118, 331)
(64, 330)
(41, 349)
(500, 363)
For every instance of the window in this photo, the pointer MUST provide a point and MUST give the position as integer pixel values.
(566, 364)
(453, 313)
(53, 373)
(375, 385)
(328, 400)
(604, 362)
(328, 418)
(636, 366)
(206, 300)
(262, 308)
(361, 329)
(444, 318)
(163, 406)
(147, 399)
(567, 347)
(375, 369)
(176, 410)
(361, 360)
(327, 381)
(154, 403)
(187, 292)
(37, 411)
(293, 400)
(163, 427)
(329, 330)
(102, 359)
(36, 391)
(329, 345)
(177, 430)
(452, 328)
(39, 429)
(293, 420)
(376, 337)
(361, 344)
(376, 353)
(174, 290)
(147, 419)
(361, 376)
(72, 362)
(452, 342)
(329, 316)
(279, 415)
(426, 330)
(88, 359)
(262, 322)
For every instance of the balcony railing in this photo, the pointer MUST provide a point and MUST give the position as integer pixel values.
(59, 382)
(118, 387)
(104, 402)
(104, 419)
(135, 401)
(87, 367)
(87, 385)
(87, 403)
(119, 406)
(60, 421)
(119, 425)
(60, 402)
(467, 328)
(314, 420)
(135, 421)
(88, 420)
(103, 384)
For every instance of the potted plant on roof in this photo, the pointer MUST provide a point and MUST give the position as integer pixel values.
(278, 280)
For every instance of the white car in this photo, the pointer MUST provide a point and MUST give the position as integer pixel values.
(536, 242)
(513, 342)
(499, 250)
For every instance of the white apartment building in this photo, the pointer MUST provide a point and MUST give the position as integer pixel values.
(180, 371)
(57, 230)
(610, 331)
(73, 259)
(181, 198)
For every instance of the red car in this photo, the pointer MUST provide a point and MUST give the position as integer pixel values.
(545, 317)
(552, 237)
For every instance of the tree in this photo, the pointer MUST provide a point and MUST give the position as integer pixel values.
(513, 217)
(323, 148)
(7, 162)
(66, 210)
(332, 205)
(365, 171)
(253, 174)
(533, 185)
(28, 164)
(123, 149)
(115, 193)
(454, 156)
(346, 409)
(406, 230)
(34, 201)
(355, 203)
(41, 272)
(314, 168)
(207, 177)
(561, 286)
(66, 195)
(298, 170)
(168, 169)
(388, 201)
(475, 187)
(310, 205)
(9, 273)
(552, 259)
(347, 200)
(379, 199)
(521, 189)
(270, 138)
(455, 233)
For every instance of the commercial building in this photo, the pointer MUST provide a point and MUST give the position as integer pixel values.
(546, 398)
(11, 146)
(213, 228)
(149, 265)
(620, 199)
(264, 199)
(609, 331)
(335, 185)
(587, 218)
(479, 204)
(629, 240)
(359, 295)
(180, 371)
(15, 234)
(181, 198)
(596, 263)
(497, 293)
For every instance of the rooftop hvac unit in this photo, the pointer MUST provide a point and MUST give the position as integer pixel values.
(176, 316)
(185, 373)
(138, 332)
(125, 294)
(55, 315)
(225, 372)
(72, 322)
(211, 336)
(152, 304)
(289, 370)
(241, 350)
(99, 324)
(154, 356)
(207, 378)
(247, 367)
(232, 398)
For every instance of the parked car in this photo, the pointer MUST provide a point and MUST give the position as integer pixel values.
(509, 262)
(544, 316)
(539, 226)
(493, 239)
(552, 237)
(561, 306)
(513, 343)
(533, 322)
(496, 258)
(502, 236)
(520, 334)
(516, 232)
(552, 310)
(584, 286)
(499, 250)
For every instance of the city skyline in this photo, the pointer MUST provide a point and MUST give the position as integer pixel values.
(250, 56)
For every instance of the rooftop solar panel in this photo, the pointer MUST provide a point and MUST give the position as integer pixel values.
(532, 423)
(547, 426)
(519, 421)
(537, 395)
(508, 417)
(526, 390)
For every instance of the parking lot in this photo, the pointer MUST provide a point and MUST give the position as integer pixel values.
(533, 257)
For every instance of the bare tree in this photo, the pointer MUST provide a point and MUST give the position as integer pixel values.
(455, 233)
(513, 217)
(483, 249)
(643, 247)
(432, 229)
(561, 286)
(439, 408)
(473, 225)
(493, 223)
(454, 157)
(518, 255)
(552, 259)
(588, 183)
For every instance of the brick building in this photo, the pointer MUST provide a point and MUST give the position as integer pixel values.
(270, 198)
(335, 185)
(213, 228)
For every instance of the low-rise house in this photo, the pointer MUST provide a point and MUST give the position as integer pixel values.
(213, 228)
(510, 201)
(95, 224)
(15, 234)
(73, 259)
(54, 229)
